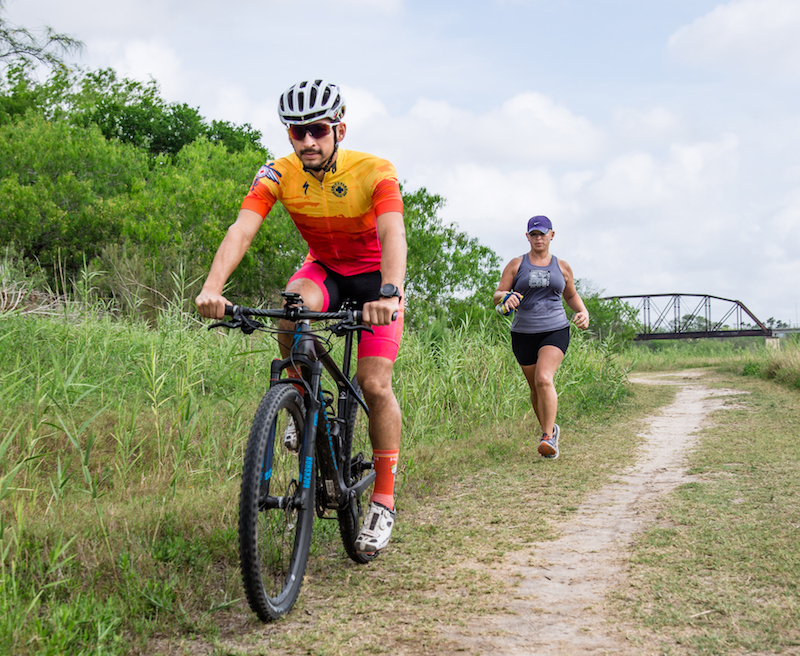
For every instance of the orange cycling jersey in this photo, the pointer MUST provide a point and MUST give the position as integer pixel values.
(336, 216)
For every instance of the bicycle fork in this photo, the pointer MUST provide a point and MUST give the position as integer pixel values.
(306, 442)
(320, 439)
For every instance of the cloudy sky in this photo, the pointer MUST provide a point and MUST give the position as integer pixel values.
(662, 137)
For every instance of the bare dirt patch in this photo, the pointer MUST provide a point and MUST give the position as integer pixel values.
(561, 606)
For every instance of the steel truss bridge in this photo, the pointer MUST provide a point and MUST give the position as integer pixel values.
(689, 316)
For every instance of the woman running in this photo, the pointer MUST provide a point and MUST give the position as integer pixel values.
(532, 286)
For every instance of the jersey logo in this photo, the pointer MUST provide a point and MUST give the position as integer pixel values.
(305, 189)
(339, 189)
(268, 171)
(539, 278)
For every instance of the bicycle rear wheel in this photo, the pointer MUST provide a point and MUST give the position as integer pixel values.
(357, 450)
(276, 505)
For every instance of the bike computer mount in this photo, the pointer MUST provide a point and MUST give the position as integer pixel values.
(293, 299)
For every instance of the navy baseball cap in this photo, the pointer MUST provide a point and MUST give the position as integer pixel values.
(540, 223)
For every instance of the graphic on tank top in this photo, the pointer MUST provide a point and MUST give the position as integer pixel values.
(539, 278)
(541, 308)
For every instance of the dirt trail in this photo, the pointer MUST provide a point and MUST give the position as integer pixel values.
(560, 605)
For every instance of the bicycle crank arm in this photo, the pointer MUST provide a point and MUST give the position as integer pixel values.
(364, 483)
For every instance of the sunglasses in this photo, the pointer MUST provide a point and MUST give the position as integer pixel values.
(316, 130)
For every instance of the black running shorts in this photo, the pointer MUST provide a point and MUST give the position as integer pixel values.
(526, 345)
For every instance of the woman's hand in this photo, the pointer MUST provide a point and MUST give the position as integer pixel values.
(509, 302)
(581, 319)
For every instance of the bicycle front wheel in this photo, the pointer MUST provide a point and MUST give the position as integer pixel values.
(357, 450)
(276, 505)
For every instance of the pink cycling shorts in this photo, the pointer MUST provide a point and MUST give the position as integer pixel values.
(362, 288)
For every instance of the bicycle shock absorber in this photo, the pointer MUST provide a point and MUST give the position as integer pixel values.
(335, 426)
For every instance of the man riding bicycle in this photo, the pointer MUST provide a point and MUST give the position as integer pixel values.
(348, 207)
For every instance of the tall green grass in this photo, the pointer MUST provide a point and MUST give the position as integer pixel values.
(665, 355)
(717, 572)
(750, 356)
(449, 382)
(120, 452)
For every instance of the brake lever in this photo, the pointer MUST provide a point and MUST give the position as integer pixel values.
(250, 325)
(225, 324)
(247, 325)
(345, 326)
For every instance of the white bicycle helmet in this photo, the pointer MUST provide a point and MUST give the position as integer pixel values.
(309, 101)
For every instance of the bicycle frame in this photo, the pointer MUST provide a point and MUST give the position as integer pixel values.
(321, 436)
(286, 480)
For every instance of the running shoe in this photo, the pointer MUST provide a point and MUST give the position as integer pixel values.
(548, 446)
(377, 529)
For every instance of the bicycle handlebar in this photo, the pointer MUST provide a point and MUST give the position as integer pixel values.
(294, 313)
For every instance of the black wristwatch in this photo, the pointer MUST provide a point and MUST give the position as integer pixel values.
(389, 290)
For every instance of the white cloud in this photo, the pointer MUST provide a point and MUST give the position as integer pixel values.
(147, 59)
(758, 36)
(142, 60)
(633, 221)
(493, 205)
(781, 232)
(638, 180)
(650, 126)
(90, 19)
(543, 128)
(363, 106)
(526, 130)
(385, 6)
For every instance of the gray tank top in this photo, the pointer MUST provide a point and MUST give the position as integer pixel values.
(540, 310)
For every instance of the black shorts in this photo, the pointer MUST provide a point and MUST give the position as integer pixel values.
(361, 288)
(526, 345)
(383, 341)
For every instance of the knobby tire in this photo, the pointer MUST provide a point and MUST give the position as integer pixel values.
(274, 541)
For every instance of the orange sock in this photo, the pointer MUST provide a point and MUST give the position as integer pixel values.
(385, 471)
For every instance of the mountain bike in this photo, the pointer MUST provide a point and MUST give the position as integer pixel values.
(306, 454)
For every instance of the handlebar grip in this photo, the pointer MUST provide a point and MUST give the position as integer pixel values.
(228, 310)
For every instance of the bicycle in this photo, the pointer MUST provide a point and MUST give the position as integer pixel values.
(303, 455)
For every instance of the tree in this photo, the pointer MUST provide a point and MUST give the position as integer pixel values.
(126, 110)
(20, 46)
(772, 322)
(62, 190)
(612, 319)
(448, 271)
(136, 113)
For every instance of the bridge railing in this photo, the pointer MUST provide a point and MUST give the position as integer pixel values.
(664, 316)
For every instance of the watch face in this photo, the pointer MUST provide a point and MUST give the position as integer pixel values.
(389, 290)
